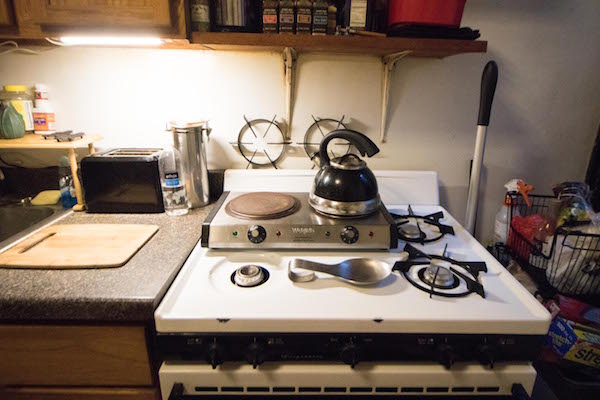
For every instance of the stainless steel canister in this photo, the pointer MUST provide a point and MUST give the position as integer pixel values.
(190, 138)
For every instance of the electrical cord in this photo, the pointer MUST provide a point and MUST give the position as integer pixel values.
(9, 164)
(17, 49)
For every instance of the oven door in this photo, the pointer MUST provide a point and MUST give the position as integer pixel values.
(181, 380)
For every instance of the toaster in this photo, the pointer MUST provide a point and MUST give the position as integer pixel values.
(124, 180)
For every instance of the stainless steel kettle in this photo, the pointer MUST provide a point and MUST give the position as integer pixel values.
(345, 186)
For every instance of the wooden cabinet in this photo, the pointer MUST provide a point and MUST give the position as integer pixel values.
(65, 393)
(87, 362)
(37, 19)
(7, 17)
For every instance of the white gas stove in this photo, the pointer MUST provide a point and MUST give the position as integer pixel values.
(472, 332)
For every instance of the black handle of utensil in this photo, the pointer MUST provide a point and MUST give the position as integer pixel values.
(362, 143)
(489, 78)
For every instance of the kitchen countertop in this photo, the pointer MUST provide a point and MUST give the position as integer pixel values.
(127, 294)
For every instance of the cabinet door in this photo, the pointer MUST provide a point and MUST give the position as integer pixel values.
(47, 17)
(65, 393)
(7, 16)
(74, 355)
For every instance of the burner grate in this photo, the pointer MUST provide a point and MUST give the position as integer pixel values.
(418, 258)
(413, 232)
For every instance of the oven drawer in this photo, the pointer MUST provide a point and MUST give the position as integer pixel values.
(318, 380)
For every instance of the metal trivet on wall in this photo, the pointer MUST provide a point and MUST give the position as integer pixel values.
(317, 131)
(261, 142)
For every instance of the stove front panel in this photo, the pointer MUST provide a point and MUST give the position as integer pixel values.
(321, 380)
(349, 348)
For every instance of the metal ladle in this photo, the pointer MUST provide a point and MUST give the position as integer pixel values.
(358, 271)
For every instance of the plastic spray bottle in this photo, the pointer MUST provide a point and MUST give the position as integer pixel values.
(502, 223)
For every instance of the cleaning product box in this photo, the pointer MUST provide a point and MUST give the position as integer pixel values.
(575, 342)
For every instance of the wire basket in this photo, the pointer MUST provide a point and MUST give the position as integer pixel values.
(567, 262)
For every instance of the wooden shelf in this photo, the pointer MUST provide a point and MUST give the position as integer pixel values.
(379, 46)
(32, 141)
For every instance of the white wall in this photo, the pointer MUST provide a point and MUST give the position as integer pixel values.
(544, 119)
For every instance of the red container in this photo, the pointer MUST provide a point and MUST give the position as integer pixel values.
(426, 12)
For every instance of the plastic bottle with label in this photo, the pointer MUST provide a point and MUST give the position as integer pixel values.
(68, 197)
(43, 113)
(502, 223)
(171, 180)
(21, 100)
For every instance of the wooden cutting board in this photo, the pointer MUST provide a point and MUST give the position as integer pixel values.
(78, 246)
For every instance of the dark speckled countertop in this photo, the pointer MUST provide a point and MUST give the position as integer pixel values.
(128, 294)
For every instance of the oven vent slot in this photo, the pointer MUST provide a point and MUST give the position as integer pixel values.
(463, 389)
(284, 389)
(309, 389)
(437, 389)
(412, 390)
(257, 389)
(361, 389)
(335, 389)
(386, 390)
(488, 389)
(206, 389)
(232, 389)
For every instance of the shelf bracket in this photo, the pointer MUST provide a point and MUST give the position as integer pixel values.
(289, 77)
(388, 62)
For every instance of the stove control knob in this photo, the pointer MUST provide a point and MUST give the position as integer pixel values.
(487, 355)
(255, 354)
(257, 234)
(215, 354)
(447, 356)
(350, 354)
(349, 234)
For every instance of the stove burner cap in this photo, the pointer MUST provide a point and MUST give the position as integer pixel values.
(249, 276)
(438, 275)
(262, 205)
(410, 231)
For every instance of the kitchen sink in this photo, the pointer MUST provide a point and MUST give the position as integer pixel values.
(17, 219)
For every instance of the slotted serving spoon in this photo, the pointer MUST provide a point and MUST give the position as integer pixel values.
(358, 271)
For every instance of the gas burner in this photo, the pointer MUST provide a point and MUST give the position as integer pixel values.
(410, 230)
(438, 276)
(249, 276)
(262, 205)
(441, 275)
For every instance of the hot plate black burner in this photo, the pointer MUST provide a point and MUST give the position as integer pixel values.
(410, 230)
(439, 275)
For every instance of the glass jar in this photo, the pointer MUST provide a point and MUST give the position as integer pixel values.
(21, 100)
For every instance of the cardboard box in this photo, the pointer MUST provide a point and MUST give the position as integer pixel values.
(575, 342)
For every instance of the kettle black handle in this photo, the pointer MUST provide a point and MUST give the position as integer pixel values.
(362, 143)
(489, 78)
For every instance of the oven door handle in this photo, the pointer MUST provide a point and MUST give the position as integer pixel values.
(176, 392)
(519, 392)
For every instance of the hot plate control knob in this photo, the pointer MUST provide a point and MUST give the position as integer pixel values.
(257, 234)
(350, 354)
(215, 355)
(487, 355)
(446, 356)
(255, 354)
(349, 234)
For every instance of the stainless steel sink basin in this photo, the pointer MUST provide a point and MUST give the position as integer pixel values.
(18, 219)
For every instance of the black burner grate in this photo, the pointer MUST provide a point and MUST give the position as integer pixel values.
(418, 258)
(403, 221)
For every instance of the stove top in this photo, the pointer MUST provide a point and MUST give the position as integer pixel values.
(271, 220)
(205, 299)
